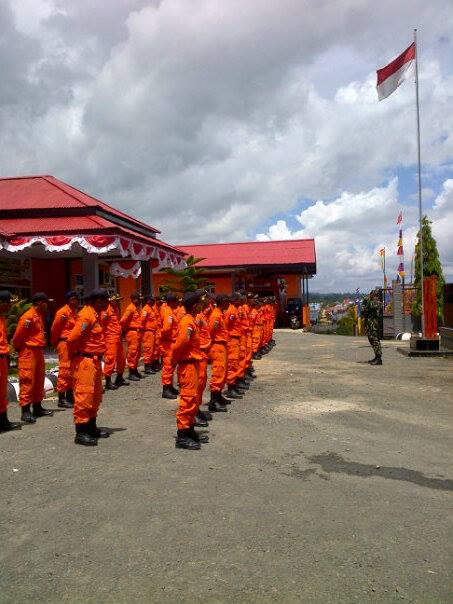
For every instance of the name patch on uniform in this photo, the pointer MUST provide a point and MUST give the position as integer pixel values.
(189, 333)
(84, 326)
(27, 323)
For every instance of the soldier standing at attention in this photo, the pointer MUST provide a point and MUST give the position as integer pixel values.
(30, 340)
(115, 357)
(86, 345)
(186, 354)
(371, 310)
(167, 339)
(131, 323)
(5, 424)
(149, 327)
(218, 354)
(232, 324)
(201, 320)
(62, 325)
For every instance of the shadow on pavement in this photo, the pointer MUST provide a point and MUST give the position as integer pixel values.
(332, 462)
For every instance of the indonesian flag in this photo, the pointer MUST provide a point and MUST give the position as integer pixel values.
(394, 74)
(399, 220)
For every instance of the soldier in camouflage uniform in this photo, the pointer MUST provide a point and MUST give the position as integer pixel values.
(371, 309)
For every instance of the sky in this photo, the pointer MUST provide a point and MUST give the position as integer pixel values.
(234, 120)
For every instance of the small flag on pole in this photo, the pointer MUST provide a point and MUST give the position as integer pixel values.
(394, 74)
(399, 220)
(382, 255)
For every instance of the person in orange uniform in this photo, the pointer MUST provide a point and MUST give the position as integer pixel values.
(186, 353)
(202, 417)
(62, 325)
(231, 317)
(29, 340)
(150, 324)
(218, 354)
(115, 357)
(5, 305)
(257, 334)
(167, 339)
(131, 323)
(86, 345)
(242, 382)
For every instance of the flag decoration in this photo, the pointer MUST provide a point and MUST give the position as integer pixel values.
(382, 255)
(399, 220)
(401, 271)
(394, 74)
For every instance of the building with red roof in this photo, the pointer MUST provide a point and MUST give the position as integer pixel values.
(54, 237)
(267, 268)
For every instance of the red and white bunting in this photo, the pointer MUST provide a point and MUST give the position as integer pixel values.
(126, 269)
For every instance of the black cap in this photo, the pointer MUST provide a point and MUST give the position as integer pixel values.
(136, 296)
(5, 296)
(98, 294)
(41, 297)
(192, 298)
(149, 298)
(220, 298)
(170, 297)
(71, 294)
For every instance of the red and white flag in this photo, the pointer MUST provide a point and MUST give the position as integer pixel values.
(399, 220)
(394, 74)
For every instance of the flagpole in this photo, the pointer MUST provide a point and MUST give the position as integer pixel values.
(420, 211)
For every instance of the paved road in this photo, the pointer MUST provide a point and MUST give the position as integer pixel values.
(330, 482)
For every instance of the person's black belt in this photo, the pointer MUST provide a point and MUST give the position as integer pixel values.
(236, 337)
(88, 355)
(4, 355)
(147, 330)
(63, 340)
(188, 361)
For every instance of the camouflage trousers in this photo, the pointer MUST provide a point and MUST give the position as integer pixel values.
(373, 339)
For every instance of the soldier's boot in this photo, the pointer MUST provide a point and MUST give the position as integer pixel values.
(95, 431)
(40, 411)
(372, 360)
(198, 437)
(26, 415)
(167, 392)
(133, 377)
(377, 361)
(109, 385)
(83, 436)
(231, 392)
(120, 381)
(200, 421)
(174, 390)
(6, 425)
(185, 441)
(155, 366)
(205, 415)
(241, 383)
(216, 405)
(70, 397)
(63, 402)
(149, 369)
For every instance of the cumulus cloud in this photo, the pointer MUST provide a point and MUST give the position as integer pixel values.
(206, 117)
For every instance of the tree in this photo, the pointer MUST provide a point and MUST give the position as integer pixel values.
(12, 319)
(431, 266)
(187, 279)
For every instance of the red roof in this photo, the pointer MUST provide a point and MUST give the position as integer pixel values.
(254, 253)
(47, 192)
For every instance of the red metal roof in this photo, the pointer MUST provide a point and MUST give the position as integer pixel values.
(46, 192)
(253, 253)
(36, 226)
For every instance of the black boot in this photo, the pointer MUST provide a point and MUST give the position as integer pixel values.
(376, 361)
(135, 372)
(167, 392)
(133, 377)
(232, 393)
(155, 365)
(149, 369)
(40, 411)
(26, 415)
(200, 421)
(198, 437)
(63, 401)
(83, 436)
(70, 398)
(215, 405)
(205, 415)
(241, 384)
(372, 360)
(174, 390)
(6, 425)
(120, 381)
(109, 385)
(95, 431)
(185, 441)
(222, 400)
(257, 356)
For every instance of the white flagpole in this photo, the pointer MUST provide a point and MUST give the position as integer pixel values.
(420, 211)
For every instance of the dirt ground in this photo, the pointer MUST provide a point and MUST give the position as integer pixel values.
(330, 481)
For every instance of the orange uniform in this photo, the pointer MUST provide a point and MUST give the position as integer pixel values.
(218, 351)
(231, 318)
(257, 333)
(150, 324)
(187, 354)
(86, 345)
(63, 323)
(115, 357)
(131, 322)
(205, 343)
(29, 340)
(4, 352)
(167, 339)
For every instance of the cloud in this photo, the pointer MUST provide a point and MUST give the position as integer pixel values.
(207, 117)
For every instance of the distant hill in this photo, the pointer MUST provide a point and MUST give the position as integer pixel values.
(331, 298)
